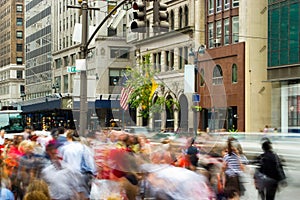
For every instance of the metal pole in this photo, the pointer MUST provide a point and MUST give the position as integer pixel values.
(83, 76)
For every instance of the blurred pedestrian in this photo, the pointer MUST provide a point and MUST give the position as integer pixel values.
(62, 180)
(81, 159)
(27, 132)
(232, 168)
(39, 185)
(36, 195)
(30, 166)
(271, 167)
(193, 153)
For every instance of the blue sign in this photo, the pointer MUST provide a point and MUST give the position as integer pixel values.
(196, 98)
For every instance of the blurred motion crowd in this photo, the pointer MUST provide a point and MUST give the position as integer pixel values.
(112, 164)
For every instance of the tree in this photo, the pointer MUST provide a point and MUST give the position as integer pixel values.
(144, 86)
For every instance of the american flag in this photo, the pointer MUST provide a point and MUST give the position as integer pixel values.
(125, 93)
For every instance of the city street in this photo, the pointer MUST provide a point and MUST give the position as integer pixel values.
(287, 148)
(290, 192)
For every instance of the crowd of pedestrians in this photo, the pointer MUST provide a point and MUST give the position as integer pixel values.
(64, 166)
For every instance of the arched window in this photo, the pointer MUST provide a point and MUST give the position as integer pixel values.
(172, 20)
(186, 16)
(202, 77)
(180, 18)
(234, 74)
(217, 75)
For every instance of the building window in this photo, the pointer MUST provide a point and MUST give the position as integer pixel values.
(172, 59)
(186, 15)
(114, 76)
(226, 31)
(210, 35)
(19, 60)
(234, 73)
(172, 20)
(58, 63)
(219, 6)
(19, 34)
(112, 32)
(66, 81)
(218, 33)
(66, 61)
(226, 4)
(20, 47)
(235, 29)
(211, 6)
(19, 8)
(19, 74)
(217, 75)
(180, 58)
(119, 52)
(235, 3)
(202, 77)
(294, 105)
(19, 21)
(180, 18)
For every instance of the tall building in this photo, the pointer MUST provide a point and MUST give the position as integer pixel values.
(11, 52)
(38, 48)
(170, 52)
(284, 63)
(235, 94)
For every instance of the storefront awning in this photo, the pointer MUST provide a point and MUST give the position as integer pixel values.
(41, 106)
(107, 104)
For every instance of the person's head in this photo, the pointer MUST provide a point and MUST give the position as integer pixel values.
(2, 132)
(60, 130)
(28, 129)
(39, 185)
(51, 150)
(36, 195)
(266, 146)
(72, 135)
(232, 145)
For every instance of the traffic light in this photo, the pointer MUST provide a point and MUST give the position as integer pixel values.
(160, 17)
(139, 17)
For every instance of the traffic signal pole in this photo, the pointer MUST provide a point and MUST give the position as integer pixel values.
(85, 41)
(83, 76)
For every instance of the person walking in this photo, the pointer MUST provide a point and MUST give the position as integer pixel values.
(80, 158)
(232, 169)
(270, 165)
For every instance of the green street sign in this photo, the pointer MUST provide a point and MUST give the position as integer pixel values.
(72, 69)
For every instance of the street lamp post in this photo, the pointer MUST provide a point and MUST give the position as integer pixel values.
(55, 87)
(194, 55)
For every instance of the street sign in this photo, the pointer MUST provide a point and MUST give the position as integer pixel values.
(196, 98)
(72, 69)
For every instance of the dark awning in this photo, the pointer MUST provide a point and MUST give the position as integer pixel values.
(42, 106)
(91, 105)
(107, 104)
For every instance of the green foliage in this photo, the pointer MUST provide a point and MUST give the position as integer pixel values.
(233, 130)
(141, 98)
(196, 108)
